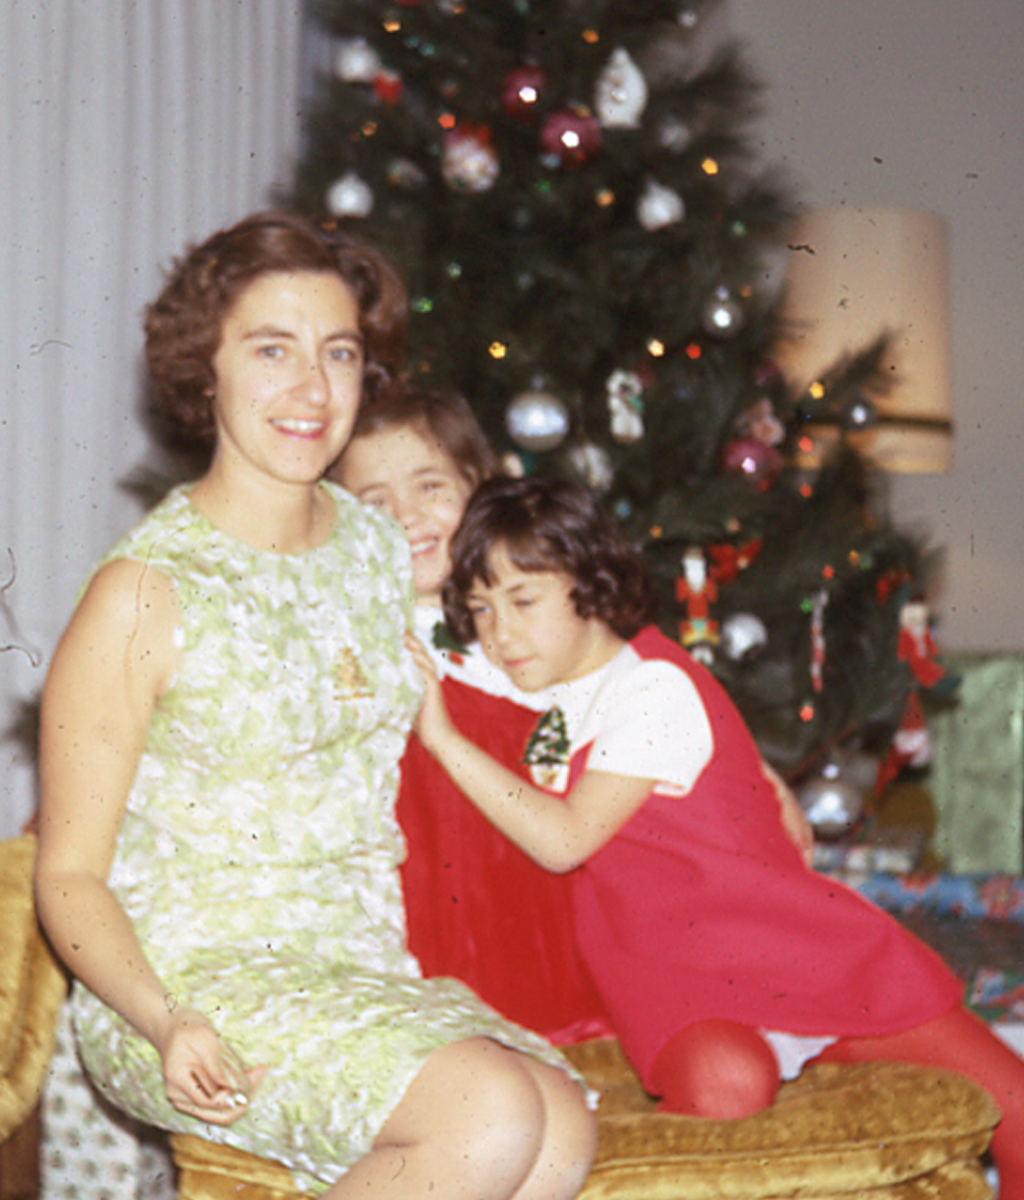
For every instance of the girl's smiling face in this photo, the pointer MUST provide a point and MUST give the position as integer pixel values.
(528, 625)
(407, 472)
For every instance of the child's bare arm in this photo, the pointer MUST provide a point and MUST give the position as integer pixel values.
(794, 819)
(557, 834)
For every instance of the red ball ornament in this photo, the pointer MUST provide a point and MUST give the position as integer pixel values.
(756, 462)
(521, 92)
(570, 137)
(387, 87)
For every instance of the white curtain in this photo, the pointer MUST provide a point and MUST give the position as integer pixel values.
(127, 128)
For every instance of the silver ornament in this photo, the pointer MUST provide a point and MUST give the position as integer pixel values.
(722, 315)
(741, 634)
(537, 420)
(592, 466)
(659, 207)
(350, 196)
(620, 95)
(356, 61)
(831, 803)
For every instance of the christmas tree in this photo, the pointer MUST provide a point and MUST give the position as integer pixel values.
(593, 255)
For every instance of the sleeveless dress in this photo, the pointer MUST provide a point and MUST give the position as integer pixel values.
(701, 906)
(259, 854)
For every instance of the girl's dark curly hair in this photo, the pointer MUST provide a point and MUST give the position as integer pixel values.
(183, 325)
(549, 525)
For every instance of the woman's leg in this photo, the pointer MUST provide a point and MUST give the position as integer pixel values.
(716, 1069)
(480, 1122)
(960, 1041)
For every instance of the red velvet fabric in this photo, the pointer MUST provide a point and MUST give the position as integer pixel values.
(477, 907)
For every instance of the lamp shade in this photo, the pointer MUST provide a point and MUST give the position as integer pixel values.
(854, 275)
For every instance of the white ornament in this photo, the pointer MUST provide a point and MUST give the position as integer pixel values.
(593, 466)
(741, 634)
(469, 162)
(626, 406)
(620, 95)
(659, 207)
(350, 196)
(537, 420)
(356, 61)
(723, 315)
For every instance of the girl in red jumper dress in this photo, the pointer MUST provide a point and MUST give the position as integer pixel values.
(723, 961)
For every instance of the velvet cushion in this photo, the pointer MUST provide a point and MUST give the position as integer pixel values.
(32, 989)
(861, 1132)
(879, 1130)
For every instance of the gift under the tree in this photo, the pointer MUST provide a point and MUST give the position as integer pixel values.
(976, 922)
(976, 777)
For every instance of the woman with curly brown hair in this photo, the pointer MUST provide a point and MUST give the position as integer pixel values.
(221, 729)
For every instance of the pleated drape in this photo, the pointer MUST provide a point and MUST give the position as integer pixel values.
(127, 127)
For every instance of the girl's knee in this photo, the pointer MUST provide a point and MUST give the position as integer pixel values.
(716, 1069)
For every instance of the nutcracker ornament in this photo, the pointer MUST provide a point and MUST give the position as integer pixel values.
(915, 646)
(699, 632)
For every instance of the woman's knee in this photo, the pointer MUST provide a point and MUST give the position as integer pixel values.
(570, 1140)
(718, 1069)
(475, 1103)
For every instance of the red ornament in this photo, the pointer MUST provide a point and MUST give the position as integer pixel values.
(750, 457)
(572, 137)
(387, 87)
(521, 92)
(728, 560)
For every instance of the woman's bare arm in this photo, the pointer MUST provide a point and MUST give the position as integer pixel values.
(113, 663)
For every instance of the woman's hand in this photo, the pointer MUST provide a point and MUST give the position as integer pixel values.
(202, 1075)
(432, 723)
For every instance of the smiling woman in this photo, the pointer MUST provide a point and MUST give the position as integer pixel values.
(221, 728)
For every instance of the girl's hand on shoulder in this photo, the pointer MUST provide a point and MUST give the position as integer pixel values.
(432, 722)
(202, 1075)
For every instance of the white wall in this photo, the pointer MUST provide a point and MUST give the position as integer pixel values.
(919, 104)
(126, 129)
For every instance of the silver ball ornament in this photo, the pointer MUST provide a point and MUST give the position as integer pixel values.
(831, 803)
(350, 196)
(722, 315)
(741, 634)
(356, 61)
(659, 207)
(537, 420)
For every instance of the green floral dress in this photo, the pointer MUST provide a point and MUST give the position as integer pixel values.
(258, 857)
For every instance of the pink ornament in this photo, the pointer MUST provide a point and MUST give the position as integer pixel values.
(572, 137)
(751, 458)
(521, 92)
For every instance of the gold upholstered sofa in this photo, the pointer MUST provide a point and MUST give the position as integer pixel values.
(879, 1130)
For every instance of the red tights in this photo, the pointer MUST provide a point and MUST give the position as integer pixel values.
(723, 1069)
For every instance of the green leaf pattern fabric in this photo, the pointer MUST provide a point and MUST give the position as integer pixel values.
(259, 853)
